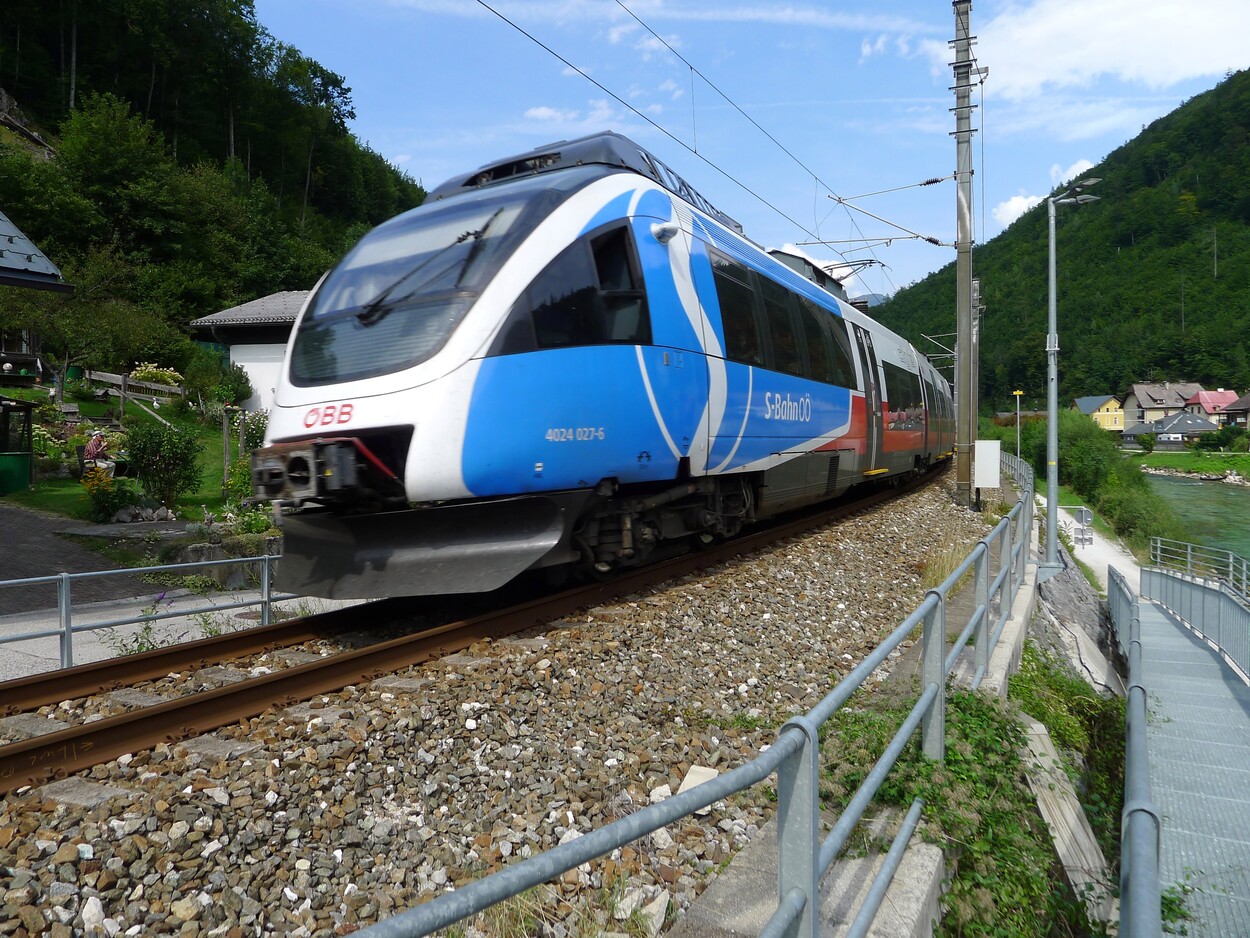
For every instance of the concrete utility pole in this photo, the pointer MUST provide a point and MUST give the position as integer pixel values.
(965, 417)
(1077, 195)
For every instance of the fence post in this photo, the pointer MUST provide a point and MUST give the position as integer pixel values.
(63, 606)
(798, 837)
(933, 671)
(264, 589)
(982, 593)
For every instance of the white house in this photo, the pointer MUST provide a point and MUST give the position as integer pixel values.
(256, 334)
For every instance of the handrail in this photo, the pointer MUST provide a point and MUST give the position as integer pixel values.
(1206, 589)
(1197, 560)
(802, 859)
(66, 629)
(1140, 895)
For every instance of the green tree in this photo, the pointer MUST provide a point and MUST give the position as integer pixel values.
(95, 325)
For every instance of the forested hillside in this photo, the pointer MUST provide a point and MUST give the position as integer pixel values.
(173, 159)
(1153, 279)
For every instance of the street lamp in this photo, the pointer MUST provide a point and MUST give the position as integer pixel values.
(1051, 565)
(1017, 394)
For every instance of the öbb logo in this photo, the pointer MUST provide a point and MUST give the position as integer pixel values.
(328, 415)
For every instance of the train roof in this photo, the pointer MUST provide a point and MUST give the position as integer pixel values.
(607, 149)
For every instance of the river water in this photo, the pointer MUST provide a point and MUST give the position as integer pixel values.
(1214, 514)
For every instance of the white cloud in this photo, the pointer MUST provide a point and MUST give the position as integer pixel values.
(672, 89)
(1006, 212)
(1072, 119)
(544, 113)
(651, 46)
(1059, 176)
(870, 47)
(1036, 48)
(617, 33)
(601, 112)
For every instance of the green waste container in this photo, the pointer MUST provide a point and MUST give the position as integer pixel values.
(14, 472)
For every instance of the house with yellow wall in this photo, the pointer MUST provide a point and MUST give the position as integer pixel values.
(1104, 409)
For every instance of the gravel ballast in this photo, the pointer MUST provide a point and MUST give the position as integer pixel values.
(354, 806)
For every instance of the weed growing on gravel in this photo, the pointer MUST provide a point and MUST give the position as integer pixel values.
(1007, 881)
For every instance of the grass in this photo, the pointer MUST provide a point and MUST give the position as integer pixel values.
(68, 497)
(1007, 882)
(1198, 461)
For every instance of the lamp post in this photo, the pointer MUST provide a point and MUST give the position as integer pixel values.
(1051, 565)
(1017, 394)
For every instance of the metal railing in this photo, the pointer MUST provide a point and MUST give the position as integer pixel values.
(1198, 561)
(802, 857)
(1206, 589)
(1140, 902)
(63, 583)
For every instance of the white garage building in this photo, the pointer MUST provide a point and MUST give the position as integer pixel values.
(255, 333)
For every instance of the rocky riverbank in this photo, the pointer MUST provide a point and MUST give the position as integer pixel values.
(1231, 476)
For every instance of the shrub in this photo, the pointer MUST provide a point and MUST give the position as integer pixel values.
(239, 480)
(254, 429)
(167, 461)
(235, 386)
(108, 495)
(148, 371)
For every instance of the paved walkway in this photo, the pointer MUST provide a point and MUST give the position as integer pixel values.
(1198, 736)
(1199, 748)
(35, 544)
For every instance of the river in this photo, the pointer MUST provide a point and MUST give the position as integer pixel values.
(1215, 514)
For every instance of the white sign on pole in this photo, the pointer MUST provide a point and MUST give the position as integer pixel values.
(985, 468)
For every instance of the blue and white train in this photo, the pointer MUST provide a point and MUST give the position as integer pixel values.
(570, 358)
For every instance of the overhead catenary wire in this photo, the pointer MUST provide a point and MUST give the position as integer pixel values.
(677, 140)
(694, 71)
(692, 148)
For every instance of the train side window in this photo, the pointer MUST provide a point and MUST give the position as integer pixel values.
(819, 345)
(624, 300)
(777, 312)
(736, 294)
(841, 367)
(564, 301)
(591, 294)
(903, 395)
(842, 361)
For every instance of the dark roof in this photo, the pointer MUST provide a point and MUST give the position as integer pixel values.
(24, 265)
(265, 310)
(1182, 422)
(1167, 394)
(1087, 405)
(1242, 403)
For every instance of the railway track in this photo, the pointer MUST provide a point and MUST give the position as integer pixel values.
(58, 754)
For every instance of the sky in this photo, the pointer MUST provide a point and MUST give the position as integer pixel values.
(774, 111)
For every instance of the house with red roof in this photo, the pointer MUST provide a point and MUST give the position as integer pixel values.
(1211, 405)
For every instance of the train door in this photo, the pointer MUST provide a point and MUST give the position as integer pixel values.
(872, 396)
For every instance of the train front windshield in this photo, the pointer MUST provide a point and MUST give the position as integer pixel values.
(395, 298)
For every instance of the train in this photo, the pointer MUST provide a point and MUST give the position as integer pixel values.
(567, 360)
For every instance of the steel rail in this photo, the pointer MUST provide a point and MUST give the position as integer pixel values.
(49, 687)
(58, 754)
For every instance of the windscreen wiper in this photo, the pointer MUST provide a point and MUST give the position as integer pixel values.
(382, 304)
